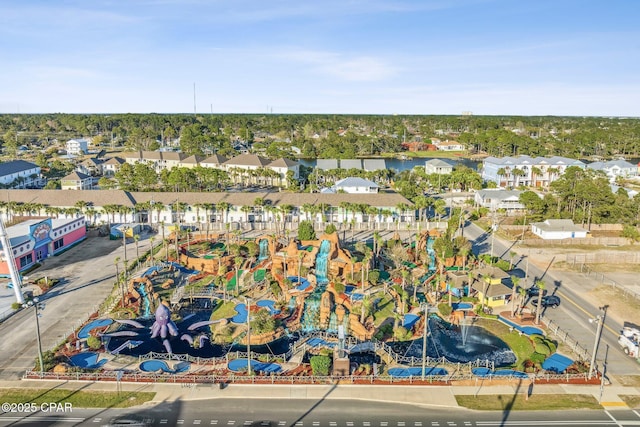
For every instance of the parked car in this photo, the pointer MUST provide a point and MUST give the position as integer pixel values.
(547, 301)
(131, 420)
(534, 291)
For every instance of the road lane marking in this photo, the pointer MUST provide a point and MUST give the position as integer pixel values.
(180, 422)
(164, 421)
(214, 422)
(196, 422)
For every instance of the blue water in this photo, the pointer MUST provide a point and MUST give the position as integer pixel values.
(304, 283)
(409, 320)
(557, 363)
(432, 253)
(311, 313)
(319, 342)
(238, 365)
(269, 305)
(241, 317)
(416, 371)
(264, 250)
(146, 304)
(322, 262)
(150, 270)
(527, 330)
(161, 365)
(461, 306)
(486, 372)
(99, 323)
(87, 360)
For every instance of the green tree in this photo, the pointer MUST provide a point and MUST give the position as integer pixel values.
(306, 231)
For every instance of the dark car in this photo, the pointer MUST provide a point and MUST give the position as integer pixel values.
(131, 420)
(534, 291)
(547, 301)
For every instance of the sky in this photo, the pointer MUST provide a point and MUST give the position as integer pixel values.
(516, 57)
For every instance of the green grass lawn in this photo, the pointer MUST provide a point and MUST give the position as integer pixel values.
(385, 309)
(79, 399)
(520, 344)
(224, 311)
(536, 402)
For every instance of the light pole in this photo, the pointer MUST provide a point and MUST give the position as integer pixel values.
(599, 319)
(124, 240)
(35, 304)
(248, 300)
(424, 340)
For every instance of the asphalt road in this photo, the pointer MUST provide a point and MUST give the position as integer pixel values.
(312, 413)
(574, 312)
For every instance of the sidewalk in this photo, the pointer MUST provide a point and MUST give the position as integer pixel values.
(438, 396)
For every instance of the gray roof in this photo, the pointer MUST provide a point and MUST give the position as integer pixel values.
(622, 164)
(439, 163)
(354, 181)
(374, 164)
(327, 164)
(350, 164)
(97, 198)
(114, 161)
(499, 194)
(558, 225)
(247, 160)
(195, 159)
(15, 166)
(215, 159)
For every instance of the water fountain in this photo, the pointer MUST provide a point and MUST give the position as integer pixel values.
(431, 253)
(322, 262)
(464, 330)
(264, 250)
(311, 316)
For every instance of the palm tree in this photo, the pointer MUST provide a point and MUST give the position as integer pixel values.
(223, 208)
(486, 278)
(501, 172)
(541, 286)
(517, 173)
(136, 239)
(535, 173)
(515, 280)
(512, 255)
(300, 257)
(523, 294)
(246, 209)
(116, 262)
(237, 263)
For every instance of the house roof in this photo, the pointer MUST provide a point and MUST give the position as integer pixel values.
(75, 176)
(119, 197)
(350, 164)
(92, 161)
(215, 159)
(494, 272)
(534, 161)
(493, 290)
(622, 164)
(195, 159)
(354, 181)
(283, 163)
(327, 164)
(438, 163)
(247, 160)
(558, 225)
(374, 164)
(15, 166)
(499, 194)
(114, 161)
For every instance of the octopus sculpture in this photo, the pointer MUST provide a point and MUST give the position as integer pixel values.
(163, 324)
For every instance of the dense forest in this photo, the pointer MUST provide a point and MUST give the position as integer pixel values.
(330, 136)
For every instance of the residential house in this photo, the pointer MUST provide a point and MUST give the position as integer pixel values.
(489, 287)
(450, 146)
(92, 166)
(332, 206)
(438, 166)
(354, 185)
(76, 181)
(615, 168)
(526, 170)
(77, 146)
(557, 229)
(192, 161)
(112, 165)
(19, 174)
(282, 166)
(215, 161)
(495, 199)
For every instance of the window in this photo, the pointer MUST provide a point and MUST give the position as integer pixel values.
(26, 260)
(58, 244)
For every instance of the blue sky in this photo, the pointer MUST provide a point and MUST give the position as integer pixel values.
(529, 57)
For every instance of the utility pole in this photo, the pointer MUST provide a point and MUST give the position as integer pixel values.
(248, 335)
(424, 340)
(600, 321)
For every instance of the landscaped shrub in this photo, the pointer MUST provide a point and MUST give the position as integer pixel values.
(543, 345)
(445, 309)
(339, 287)
(537, 358)
(320, 365)
(16, 306)
(384, 331)
(94, 343)
(402, 334)
(306, 231)
(330, 229)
